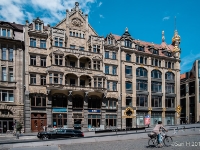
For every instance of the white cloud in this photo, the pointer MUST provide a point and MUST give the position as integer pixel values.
(100, 3)
(166, 18)
(187, 61)
(52, 11)
(101, 16)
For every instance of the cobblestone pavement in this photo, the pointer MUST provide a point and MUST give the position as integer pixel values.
(179, 143)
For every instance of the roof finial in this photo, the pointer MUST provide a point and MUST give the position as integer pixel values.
(163, 36)
(126, 29)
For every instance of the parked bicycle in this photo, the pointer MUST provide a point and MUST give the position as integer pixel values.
(165, 139)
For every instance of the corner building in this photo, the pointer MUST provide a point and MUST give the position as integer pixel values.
(77, 79)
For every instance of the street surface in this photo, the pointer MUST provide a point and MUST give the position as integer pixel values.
(180, 143)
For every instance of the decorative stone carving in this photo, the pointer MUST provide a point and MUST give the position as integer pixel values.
(77, 22)
(3, 63)
(128, 95)
(58, 31)
(127, 79)
(128, 113)
(59, 52)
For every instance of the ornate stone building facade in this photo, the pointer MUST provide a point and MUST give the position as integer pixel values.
(77, 79)
(11, 75)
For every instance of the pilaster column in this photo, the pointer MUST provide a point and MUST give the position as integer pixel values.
(69, 113)
(27, 113)
(78, 81)
(53, 59)
(85, 112)
(49, 109)
(103, 111)
(78, 65)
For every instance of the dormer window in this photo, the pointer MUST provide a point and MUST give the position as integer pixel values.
(155, 51)
(38, 26)
(128, 43)
(110, 41)
(5, 32)
(139, 48)
(169, 54)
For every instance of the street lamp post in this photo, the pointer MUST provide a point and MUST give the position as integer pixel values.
(60, 116)
(190, 118)
(136, 121)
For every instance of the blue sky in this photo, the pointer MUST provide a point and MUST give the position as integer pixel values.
(145, 19)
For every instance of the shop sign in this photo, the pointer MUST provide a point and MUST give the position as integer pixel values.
(147, 120)
(59, 109)
(94, 110)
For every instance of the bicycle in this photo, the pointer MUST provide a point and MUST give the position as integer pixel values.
(153, 142)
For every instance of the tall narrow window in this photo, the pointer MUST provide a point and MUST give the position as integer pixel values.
(128, 70)
(33, 79)
(4, 74)
(3, 54)
(114, 86)
(38, 26)
(107, 54)
(32, 42)
(8, 33)
(56, 41)
(33, 60)
(94, 48)
(43, 61)
(61, 42)
(128, 57)
(11, 79)
(106, 69)
(3, 32)
(114, 71)
(42, 43)
(114, 55)
(108, 85)
(43, 80)
(58, 60)
(10, 54)
(128, 86)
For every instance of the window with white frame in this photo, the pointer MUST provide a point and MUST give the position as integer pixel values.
(72, 46)
(110, 41)
(32, 60)
(108, 85)
(43, 61)
(111, 104)
(96, 48)
(128, 43)
(155, 62)
(42, 43)
(114, 55)
(141, 72)
(58, 42)
(106, 54)
(6, 96)
(32, 78)
(58, 59)
(55, 78)
(32, 42)
(141, 85)
(81, 48)
(169, 76)
(10, 54)
(38, 26)
(141, 60)
(4, 74)
(11, 78)
(96, 65)
(3, 53)
(106, 69)
(114, 86)
(5, 32)
(114, 70)
(156, 74)
(42, 80)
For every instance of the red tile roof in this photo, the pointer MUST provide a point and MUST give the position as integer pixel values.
(117, 37)
(183, 76)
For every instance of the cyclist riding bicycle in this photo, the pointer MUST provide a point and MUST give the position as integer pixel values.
(157, 131)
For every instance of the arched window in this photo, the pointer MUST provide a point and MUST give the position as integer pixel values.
(169, 76)
(156, 74)
(128, 57)
(141, 72)
(59, 100)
